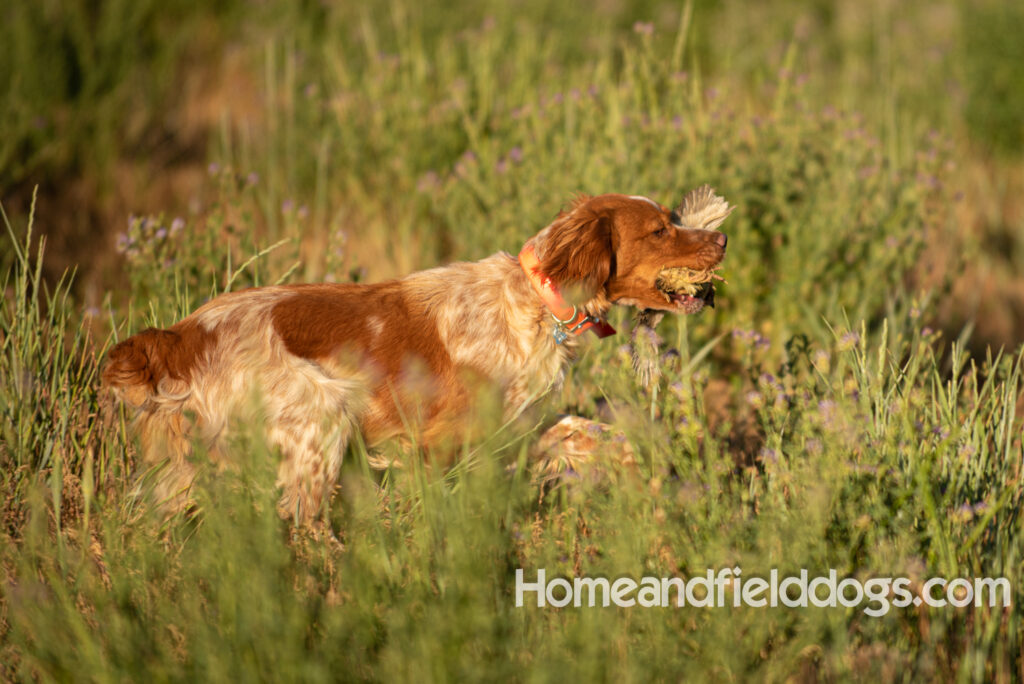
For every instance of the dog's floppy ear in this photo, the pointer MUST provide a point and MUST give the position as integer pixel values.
(577, 248)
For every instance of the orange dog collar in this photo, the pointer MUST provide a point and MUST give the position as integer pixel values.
(569, 320)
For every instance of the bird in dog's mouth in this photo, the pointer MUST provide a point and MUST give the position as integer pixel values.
(686, 287)
(688, 290)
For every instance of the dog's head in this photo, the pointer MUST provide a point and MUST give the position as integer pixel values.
(612, 248)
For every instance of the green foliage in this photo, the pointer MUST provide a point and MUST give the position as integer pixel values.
(48, 369)
(84, 82)
(995, 86)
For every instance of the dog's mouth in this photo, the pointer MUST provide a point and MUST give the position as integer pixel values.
(686, 290)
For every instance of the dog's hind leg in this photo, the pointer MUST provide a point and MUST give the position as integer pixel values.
(311, 456)
(166, 446)
(311, 422)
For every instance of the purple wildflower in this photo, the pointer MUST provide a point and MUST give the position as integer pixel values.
(848, 341)
(965, 511)
(123, 243)
(428, 181)
(644, 28)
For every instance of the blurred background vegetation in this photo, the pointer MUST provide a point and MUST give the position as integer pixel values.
(827, 414)
(117, 108)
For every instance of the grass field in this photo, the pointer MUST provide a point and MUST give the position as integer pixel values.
(853, 403)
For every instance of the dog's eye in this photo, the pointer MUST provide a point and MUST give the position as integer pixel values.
(661, 232)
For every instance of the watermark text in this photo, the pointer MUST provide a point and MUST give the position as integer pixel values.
(728, 588)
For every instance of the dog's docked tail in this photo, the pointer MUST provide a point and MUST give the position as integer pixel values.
(153, 367)
(151, 373)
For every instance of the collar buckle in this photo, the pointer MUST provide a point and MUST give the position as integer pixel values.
(570, 326)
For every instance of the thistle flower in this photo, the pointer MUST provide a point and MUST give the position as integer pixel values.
(644, 28)
(428, 181)
(123, 243)
(821, 360)
(644, 343)
(848, 341)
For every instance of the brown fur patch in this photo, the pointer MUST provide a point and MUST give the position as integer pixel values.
(375, 329)
(579, 250)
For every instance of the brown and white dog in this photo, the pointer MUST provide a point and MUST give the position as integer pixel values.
(329, 360)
